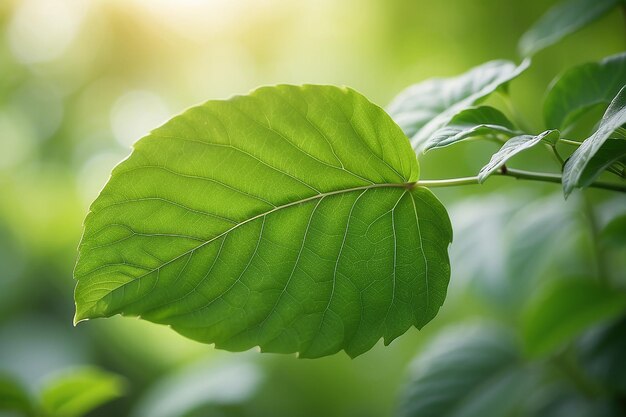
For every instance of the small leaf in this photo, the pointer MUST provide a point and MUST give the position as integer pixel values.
(564, 309)
(514, 146)
(424, 108)
(580, 88)
(567, 17)
(287, 219)
(575, 172)
(472, 122)
(76, 392)
(14, 397)
(476, 369)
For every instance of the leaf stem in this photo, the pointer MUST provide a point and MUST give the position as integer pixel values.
(517, 174)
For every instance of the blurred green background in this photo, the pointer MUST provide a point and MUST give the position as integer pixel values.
(80, 81)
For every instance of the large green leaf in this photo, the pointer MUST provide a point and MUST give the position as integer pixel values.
(566, 308)
(76, 392)
(469, 123)
(512, 147)
(565, 18)
(424, 108)
(576, 172)
(581, 88)
(287, 219)
(473, 371)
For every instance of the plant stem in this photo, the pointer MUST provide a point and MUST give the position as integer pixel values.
(517, 174)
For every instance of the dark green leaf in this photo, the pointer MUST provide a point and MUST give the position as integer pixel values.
(473, 371)
(602, 353)
(565, 18)
(14, 397)
(514, 146)
(424, 108)
(469, 123)
(581, 88)
(286, 219)
(576, 172)
(563, 310)
(611, 151)
(614, 233)
(76, 392)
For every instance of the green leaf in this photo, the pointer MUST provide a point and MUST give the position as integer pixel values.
(611, 151)
(614, 233)
(476, 370)
(424, 108)
(564, 309)
(469, 123)
(514, 146)
(202, 384)
(602, 353)
(575, 171)
(287, 219)
(76, 392)
(567, 17)
(581, 88)
(14, 397)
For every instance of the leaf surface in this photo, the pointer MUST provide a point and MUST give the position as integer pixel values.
(472, 371)
(424, 108)
(562, 20)
(582, 87)
(77, 392)
(578, 171)
(566, 308)
(469, 123)
(286, 219)
(512, 147)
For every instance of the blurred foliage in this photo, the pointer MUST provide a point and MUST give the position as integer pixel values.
(80, 81)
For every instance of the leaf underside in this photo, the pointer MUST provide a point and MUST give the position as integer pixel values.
(286, 219)
(514, 146)
(422, 109)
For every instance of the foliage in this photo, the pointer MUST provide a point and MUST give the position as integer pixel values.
(307, 219)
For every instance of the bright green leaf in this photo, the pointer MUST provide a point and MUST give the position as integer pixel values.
(14, 397)
(286, 219)
(581, 88)
(514, 146)
(469, 123)
(565, 309)
(76, 392)
(575, 171)
(424, 108)
(565, 18)
(473, 372)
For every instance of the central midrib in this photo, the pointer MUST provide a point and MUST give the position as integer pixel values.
(406, 185)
